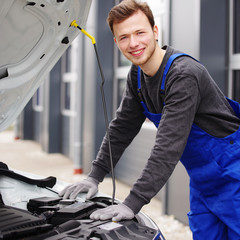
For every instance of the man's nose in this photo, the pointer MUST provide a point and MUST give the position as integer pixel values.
(133, 41)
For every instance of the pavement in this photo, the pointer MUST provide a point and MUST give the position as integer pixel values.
(28, 156)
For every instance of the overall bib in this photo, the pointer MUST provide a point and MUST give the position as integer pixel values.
(213, 165)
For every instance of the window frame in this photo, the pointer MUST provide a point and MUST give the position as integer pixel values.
(234, 58)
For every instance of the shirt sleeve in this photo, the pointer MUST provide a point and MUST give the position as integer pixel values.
(181, 103)
(122, 130)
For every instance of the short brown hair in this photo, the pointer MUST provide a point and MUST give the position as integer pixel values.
(127, 8)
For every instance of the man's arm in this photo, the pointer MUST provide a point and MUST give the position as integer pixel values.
(122, 130)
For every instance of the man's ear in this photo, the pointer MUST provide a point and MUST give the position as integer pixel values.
(155, 30)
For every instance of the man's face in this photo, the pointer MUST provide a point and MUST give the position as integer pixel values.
(135, 38)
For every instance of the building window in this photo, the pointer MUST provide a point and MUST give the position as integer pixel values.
(121, 88)
(37, 102)
(67, 81)
(67, 60)
(234, 50)
(38, 98)
(236, 85)
(67, 91)
(236, 26)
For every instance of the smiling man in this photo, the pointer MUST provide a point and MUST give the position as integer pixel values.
(136, 39)
(195, 122)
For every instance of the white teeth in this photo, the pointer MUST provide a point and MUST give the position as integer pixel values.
(137, 52)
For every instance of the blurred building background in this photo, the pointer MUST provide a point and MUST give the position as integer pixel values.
(66, 115)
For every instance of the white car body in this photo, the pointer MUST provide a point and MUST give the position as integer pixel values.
(34, 35)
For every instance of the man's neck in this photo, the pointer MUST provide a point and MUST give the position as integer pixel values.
(151, 67)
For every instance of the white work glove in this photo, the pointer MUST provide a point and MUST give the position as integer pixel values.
(89, 186)
(114, 212)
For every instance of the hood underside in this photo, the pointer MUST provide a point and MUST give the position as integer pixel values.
(34, 35)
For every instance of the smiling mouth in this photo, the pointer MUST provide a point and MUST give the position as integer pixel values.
(137, 53)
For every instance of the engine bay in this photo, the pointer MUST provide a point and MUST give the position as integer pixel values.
(34, 211)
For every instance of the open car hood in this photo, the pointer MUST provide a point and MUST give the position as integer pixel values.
(34, 35)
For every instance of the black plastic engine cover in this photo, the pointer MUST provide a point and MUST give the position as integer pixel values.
(103, 230)
(16, 223)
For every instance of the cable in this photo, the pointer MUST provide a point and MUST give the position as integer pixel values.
(104, 105)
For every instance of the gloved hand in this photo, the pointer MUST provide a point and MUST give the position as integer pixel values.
(89, 185)
(114, 212)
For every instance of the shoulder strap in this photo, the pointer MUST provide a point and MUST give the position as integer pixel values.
(139, 86)
(168, 65)
(235, 106)
(139, 77)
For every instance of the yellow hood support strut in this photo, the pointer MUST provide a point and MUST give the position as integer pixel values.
(74, 24)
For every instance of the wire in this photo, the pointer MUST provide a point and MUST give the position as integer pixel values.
(104, 105)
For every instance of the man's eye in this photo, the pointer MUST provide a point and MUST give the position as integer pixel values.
(122, 38)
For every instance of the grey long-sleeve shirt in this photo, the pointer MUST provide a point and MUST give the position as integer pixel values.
(191, 96)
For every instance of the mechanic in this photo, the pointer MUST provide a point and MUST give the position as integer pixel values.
(195, 122)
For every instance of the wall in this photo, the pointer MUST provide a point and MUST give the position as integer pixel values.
(214, 39)
(185, 26)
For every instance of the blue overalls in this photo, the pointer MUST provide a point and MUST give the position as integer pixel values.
(213, 165)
